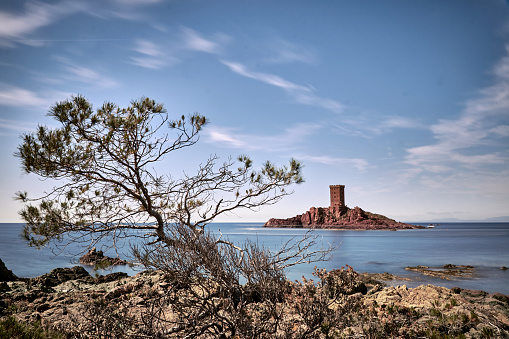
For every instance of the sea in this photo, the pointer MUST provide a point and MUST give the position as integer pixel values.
(482, 245)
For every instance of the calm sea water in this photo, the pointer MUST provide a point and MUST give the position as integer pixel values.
(483, 245)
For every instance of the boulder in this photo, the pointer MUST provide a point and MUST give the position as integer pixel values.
(60, 275)
(6, 274)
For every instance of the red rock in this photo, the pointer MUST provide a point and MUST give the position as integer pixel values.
(340, 218)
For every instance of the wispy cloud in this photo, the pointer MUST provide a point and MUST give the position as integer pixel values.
(399, 122)
(151, 55)
(468, 140)
(9, 126)
(357, 163)
(35, 16)
(301, 94)
(368, 126)
(20, 97)
(157, 55)
(135, 3)
(86, 75)
(130, 10)
(196, 42)
(18, 27)
(288, 139)
(267, 78)
(286, 52)
(148, 48)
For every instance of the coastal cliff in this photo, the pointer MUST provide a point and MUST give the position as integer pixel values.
(340, 218)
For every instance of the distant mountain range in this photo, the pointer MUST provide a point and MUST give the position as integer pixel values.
(494, 219)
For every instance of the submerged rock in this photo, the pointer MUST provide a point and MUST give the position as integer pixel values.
(445, 272)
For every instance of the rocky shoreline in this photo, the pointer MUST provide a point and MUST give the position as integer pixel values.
(340, 218)
(64, 299)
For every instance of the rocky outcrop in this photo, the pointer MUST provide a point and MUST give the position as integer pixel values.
(6, 274)
(59, 276)
(345, 218)
(72, 305)
(477, 310)
(445, 272)
(97, 258)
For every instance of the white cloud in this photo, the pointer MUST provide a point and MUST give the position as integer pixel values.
(152, 63)
(225, 137)
(286, 52)
(16, 126)
(368, 125)
(469, 140)
(135, 3)
(35, 16)
(267, 78)
(153, 56)
(168, 53)
(399, 122)
(502, 130)
(357, 163)
(20, 97)
(301, 94)
(85, 75)
(89, 76)
(194, 41)
(148, 48)
(284, 141)
(312, 99)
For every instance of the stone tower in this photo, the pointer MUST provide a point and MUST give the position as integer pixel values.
(337, 197)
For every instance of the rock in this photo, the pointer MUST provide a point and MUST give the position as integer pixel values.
(474, 293)
(340, 218)
(445, 272)
(456, 290)
(43, 307)
(111, 277)
(411, 309)
(6, 274)
(94, 257)
(60, 275)
(502, 297)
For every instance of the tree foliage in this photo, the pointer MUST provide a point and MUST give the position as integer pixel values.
(104, 163)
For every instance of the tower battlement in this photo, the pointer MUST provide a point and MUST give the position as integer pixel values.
(337, 196)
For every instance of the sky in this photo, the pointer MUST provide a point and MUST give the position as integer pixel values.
(406, 103)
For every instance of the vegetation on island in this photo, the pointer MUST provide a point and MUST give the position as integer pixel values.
(197, 284)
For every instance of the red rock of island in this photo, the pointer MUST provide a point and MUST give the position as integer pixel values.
(339, 216)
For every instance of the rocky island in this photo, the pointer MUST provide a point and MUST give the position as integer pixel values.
(339, 216)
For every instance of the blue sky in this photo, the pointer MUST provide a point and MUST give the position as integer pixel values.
(404, 102)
